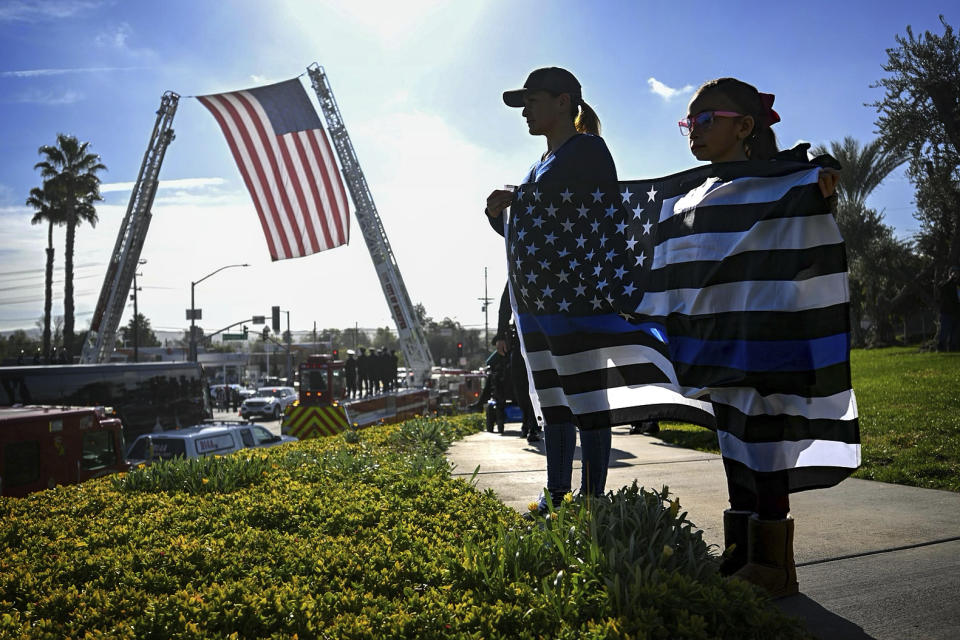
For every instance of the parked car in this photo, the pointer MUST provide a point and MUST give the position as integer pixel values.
(247, 392)
(203, 440)
(269, 402)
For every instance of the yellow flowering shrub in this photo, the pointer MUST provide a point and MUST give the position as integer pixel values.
(363, 537)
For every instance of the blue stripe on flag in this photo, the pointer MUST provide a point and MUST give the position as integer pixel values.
(559, 325)
(762, 355)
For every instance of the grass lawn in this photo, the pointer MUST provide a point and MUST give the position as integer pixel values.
(909, 405)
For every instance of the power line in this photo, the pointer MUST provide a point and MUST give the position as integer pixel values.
(40, 298)
(55, 282)
(4, 274)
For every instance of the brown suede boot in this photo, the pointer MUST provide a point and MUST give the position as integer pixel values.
(735, 524)
(770, 562)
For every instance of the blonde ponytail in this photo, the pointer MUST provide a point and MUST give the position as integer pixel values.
(587, 120)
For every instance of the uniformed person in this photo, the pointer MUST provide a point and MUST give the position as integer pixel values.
(394, 365)
(350, 369)
(363, 372)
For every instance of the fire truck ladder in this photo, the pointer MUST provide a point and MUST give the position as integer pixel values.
(126, 253)
(416, 352)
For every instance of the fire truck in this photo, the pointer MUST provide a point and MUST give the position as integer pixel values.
(41, 447)
(455, 389)
(322, 408)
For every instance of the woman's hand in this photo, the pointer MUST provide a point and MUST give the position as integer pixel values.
(827, 181)
(497, 201)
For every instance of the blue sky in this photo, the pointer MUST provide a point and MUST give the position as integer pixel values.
(418, 84)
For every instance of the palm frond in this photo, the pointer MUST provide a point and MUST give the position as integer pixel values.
(864, 167)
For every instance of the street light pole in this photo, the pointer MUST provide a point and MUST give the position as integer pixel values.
(193, 308)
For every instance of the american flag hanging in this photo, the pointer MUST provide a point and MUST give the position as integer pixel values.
(716, 296)
(287, 165)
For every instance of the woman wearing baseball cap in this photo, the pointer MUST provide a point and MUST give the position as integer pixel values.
(553, 107)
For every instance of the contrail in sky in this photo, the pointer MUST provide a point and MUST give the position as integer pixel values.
(34, 73)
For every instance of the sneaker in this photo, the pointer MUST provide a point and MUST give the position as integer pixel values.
(533, 437)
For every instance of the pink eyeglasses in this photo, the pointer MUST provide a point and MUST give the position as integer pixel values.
(704, 119)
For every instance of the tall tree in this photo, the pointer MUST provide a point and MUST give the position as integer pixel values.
(71, 171)
(139, 325)
(47, 210)
(920, 115)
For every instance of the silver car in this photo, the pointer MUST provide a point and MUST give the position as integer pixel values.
(268, 402)
(202, 440)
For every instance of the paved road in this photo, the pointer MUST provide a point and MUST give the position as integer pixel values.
(875, 560)
(273, 426)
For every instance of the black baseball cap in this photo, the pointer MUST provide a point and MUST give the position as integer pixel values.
(552, 79)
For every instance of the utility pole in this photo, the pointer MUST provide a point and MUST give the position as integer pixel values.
(136, 315)
(486, 304)
(289, 352)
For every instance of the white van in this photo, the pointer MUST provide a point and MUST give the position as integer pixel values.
(202, 440)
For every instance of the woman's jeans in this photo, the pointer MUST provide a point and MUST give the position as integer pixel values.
(560, 443)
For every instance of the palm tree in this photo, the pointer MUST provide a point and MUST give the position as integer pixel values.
(870, 243)
(73, 172)
(864, 168)
(47, 211)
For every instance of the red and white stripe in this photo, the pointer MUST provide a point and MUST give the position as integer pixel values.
(292, 178)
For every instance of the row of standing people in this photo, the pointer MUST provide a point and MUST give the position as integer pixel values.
(226, 398)
(370, 372)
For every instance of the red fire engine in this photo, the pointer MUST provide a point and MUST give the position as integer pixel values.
(41, 447)
(323, 409)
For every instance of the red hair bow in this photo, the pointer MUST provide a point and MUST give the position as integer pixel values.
(771, 116)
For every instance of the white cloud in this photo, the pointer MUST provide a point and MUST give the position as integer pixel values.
(258, 79)
(117, 38)
(666, 92)
(48, 97)
(181, 183)
(192, 192)
(31, 10)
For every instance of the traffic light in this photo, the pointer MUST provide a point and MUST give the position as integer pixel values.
(245, 332)
(459, 349)
(266, 333)
(275, 319)
(336, 352)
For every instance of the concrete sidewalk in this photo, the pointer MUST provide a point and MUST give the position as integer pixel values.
(874, 560)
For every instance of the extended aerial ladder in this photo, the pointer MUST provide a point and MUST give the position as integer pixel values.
(416, 352)
(133, 230)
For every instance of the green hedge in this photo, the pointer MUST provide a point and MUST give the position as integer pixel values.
(360, 536)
